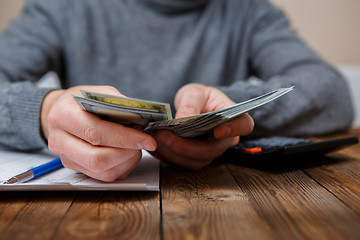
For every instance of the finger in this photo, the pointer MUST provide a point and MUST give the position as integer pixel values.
(167, 155)
(99, 132)
(118, 172)
(240, 126)
(180, 150)
(191, 162)
(93, 158)
(190, 100)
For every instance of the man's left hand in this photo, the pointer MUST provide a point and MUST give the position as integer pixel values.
(193, 99)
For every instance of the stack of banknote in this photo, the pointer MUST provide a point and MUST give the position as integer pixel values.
(156, 115)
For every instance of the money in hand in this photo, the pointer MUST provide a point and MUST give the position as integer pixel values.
(202, 124)
(156, 115)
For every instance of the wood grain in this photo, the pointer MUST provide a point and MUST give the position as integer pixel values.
(32, 215)
(341, 176)
(314, 199)
(339, 172)
(295, 206)
(10, 205)
(112, 215)
(207, 204)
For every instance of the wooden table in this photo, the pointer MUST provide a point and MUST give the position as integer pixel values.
(314, 199)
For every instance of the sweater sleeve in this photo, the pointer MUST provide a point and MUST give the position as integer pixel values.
(29, 48)
(320, 102)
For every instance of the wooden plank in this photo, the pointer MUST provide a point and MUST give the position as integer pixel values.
(339, 172)
(207, 204)
(112, 215)
(340, 176)
(32, 215)
(294, 206)
(10, 205)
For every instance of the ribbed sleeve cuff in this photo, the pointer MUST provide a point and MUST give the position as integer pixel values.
(25, 111)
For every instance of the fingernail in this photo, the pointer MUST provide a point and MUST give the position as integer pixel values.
(164, 139)
(146, 145)
(225, 131)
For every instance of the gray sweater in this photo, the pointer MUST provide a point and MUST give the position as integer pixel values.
(150, 48)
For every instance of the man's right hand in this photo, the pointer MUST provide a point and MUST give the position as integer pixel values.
(100, 149)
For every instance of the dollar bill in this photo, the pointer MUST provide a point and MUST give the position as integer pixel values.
(157, 116)
(124, 110)
(130, 102)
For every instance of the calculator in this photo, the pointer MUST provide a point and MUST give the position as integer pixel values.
(280, 147)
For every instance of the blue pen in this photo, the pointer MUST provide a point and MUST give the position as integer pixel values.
(36, 172)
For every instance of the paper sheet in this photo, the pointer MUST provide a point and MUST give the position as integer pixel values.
(145, 176)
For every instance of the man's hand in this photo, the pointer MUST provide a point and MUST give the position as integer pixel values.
(100, 149)
(193, 99)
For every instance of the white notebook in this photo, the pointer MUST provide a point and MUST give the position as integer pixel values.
(145, 176)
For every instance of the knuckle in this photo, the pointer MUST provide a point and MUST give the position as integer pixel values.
(92, 136)
(96, 162)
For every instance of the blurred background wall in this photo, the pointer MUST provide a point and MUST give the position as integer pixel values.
(9, 9)
(331, 27)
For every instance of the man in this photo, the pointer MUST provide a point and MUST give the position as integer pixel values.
(200, 51)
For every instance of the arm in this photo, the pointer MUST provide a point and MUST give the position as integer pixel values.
(320, 102)
(29, 48)
(85, 143)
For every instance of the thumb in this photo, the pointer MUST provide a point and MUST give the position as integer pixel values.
(190, 100)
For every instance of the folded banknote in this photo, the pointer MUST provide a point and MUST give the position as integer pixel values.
(122, 109)
(156, 115)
